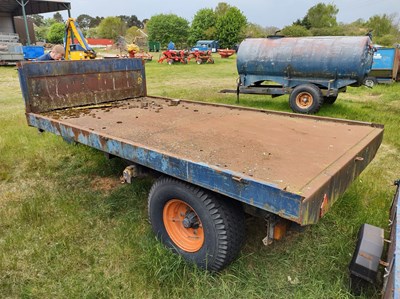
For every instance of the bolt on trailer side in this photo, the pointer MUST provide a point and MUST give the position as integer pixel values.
(293, 166)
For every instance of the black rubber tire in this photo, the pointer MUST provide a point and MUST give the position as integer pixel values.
(330, 100)
(222, 221)
(370, 81)
(313, 92)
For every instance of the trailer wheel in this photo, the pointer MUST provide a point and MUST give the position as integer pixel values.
(330, 100)
(370, 81)
(306, 98)
(202, 228)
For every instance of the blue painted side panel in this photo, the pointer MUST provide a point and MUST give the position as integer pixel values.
(383, 59)
(256, 193)
(32, 52)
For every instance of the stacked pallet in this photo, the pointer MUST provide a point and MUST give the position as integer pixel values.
(10, 48)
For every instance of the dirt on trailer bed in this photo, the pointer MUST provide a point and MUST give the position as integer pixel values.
(289, 151)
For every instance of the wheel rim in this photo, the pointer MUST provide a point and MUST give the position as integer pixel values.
(183, 225)
(304, 100)
(369, 83)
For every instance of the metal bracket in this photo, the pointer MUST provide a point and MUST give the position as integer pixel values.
(239, 83)
(131, 172)
(270, 221)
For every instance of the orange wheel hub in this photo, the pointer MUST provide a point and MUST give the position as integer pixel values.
(183, 225)
(304, 99)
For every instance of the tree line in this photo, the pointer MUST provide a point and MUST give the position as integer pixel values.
(225, 23)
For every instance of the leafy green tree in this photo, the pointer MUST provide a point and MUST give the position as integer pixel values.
(221, 9)
(92, 33)
(41, 33)
(58, 17)
(295, 30)
(203, 25)
(231, 27)
(387, 40)
(327, 31)
(132, 21)
(168, 27)
(271, 30)
(95, 22)
(84, 21)
(255, 31)
(111, 27)
(55, 34)
(132, 34)
(381, 25)
(355, 28)
(322, 15)
(38, 20)
(305, 22)
(49, 21)
(42, 30)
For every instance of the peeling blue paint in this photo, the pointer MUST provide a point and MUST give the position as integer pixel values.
(256, 193)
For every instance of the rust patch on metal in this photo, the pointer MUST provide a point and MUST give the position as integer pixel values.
(260, 145)
(71, 90)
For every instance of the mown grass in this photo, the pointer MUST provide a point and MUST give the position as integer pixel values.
(70, 229)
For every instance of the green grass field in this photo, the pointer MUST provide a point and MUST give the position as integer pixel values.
(70, 229)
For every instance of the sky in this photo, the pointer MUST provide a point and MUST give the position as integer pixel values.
(266, 13)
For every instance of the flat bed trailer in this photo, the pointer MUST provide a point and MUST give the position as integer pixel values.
(216, 159)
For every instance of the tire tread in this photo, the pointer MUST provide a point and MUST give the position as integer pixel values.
(227, 217)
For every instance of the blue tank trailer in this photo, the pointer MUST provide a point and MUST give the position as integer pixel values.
(312, 70)
(216, 162)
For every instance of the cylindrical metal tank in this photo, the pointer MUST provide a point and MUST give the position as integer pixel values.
(340, 60)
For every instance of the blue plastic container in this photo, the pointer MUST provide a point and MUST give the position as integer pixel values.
(386, 66)
(384, 59)
(32, 52)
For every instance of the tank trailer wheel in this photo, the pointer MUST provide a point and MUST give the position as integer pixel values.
(370, 82)
(306, 98)
(203, 229)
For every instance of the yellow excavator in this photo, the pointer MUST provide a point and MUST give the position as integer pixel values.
(80, 50)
